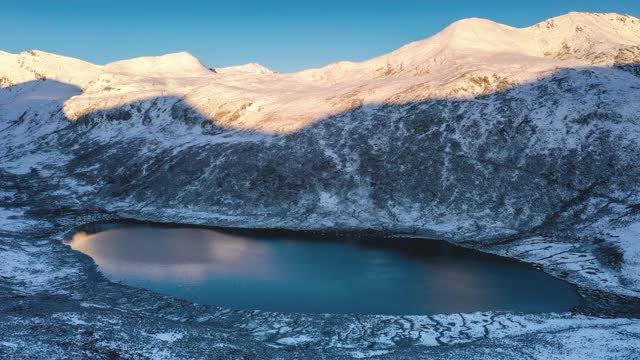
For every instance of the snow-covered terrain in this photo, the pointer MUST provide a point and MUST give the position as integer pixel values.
(252, 68)
(522, 142)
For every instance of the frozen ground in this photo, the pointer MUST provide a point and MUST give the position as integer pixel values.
(56, 305)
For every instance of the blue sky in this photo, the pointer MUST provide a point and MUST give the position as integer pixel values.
(283, 35)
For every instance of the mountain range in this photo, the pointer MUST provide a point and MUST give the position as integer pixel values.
(483, 134)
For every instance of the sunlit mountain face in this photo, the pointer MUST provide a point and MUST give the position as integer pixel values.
(470, 57)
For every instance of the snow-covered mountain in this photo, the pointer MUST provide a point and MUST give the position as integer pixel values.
(468, 58)
(480, 132)
(251, 68)
(40, 65)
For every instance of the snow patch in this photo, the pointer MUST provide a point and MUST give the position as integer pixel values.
(168, 336)
(295, 340)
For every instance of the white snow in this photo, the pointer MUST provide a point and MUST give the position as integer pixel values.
(9, 344)
(368, 354)
(169, 65)
(168, 336)
(32, 65)
(329, 201)
(600, 342)
(253, 97)
(251, 68)
(71, 318)
(628, 240)
(295, 340)
(29, 267)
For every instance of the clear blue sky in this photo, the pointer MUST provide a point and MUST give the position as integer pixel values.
(281, 34)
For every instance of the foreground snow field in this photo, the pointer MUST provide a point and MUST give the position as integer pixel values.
(520, 142)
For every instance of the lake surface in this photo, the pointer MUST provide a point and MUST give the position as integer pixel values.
(365, 275)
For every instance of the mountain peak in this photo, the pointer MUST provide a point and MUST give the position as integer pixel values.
(252, 68)
(581, 34)
(480, 35)
(576, 30)
(586, 38)
(601, 21)
(465, 36)
(472, 22)
(40, 65)
(36, 52)
(36, 55)
(574, 34)
(586, 14)
(169, 65)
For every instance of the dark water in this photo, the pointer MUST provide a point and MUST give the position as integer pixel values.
(305, 274)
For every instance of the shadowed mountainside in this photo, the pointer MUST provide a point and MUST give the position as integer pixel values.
(541, 156)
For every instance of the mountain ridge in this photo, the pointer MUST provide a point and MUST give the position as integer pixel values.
(251, 68)
(627, 28)
(468, 58)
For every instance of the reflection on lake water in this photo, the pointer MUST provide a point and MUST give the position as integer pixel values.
(169, 254)
(288, 274)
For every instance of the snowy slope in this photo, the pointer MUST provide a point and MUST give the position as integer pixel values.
(482, 131)
(38, 65)
(251, 68)
(590, 35)
(170, 65)
(575, 36)
(468, 58)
